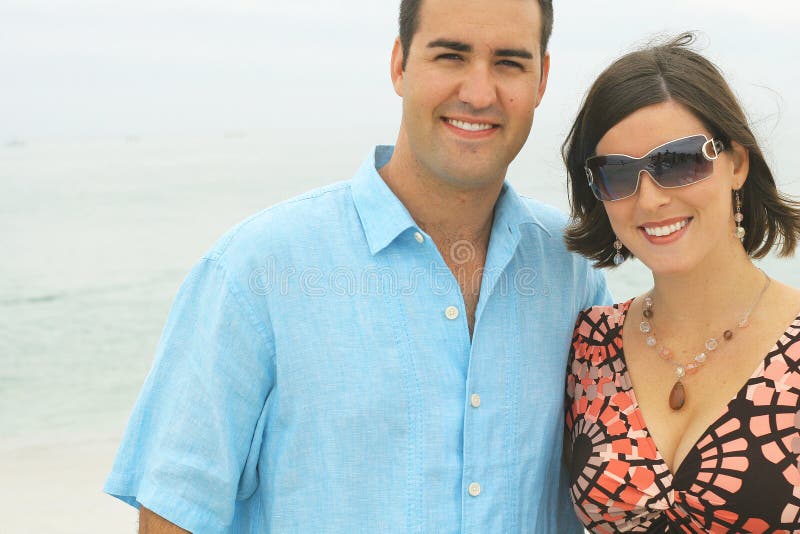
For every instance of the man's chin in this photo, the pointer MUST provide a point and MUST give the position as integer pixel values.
(473, 177)
(465, 167)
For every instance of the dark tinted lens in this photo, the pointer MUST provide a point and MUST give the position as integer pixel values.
(680, 162)
(615, 176)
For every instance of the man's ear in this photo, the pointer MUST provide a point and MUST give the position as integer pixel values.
(543, 80)
(741, 164)
(397, 67)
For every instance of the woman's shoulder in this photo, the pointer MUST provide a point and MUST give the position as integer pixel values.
(784, 310)
(599, 326)
(604, 318)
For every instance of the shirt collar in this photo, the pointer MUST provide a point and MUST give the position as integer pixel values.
(382, 214)
(384, 217)
(511, 212)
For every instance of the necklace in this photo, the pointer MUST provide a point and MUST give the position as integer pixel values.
(677, 397)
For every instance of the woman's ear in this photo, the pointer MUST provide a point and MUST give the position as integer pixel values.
(741, 164)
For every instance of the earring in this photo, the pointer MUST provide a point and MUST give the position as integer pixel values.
(738, 216)
(619, 259)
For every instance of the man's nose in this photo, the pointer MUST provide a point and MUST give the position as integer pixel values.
(478, 88)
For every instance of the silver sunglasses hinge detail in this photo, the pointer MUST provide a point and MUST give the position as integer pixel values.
(716, 144)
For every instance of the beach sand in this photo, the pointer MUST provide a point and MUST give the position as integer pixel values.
(56, 487)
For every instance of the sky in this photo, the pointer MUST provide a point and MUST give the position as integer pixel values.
(84, 69)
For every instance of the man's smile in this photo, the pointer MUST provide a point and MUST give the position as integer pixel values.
(470, 126)
(470, 129)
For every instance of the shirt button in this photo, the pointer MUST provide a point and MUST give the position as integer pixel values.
(419, 237)
(474, 489)
(451, 313)
(475, 400)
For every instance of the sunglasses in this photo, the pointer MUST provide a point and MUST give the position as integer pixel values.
(678, 163)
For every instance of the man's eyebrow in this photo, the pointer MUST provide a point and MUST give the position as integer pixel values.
(458, 46)
(513, 52)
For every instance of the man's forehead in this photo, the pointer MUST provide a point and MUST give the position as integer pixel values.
(506, 23)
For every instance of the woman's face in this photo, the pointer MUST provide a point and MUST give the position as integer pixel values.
(673, 231)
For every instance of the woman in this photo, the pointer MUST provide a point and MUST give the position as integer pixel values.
(683, 409)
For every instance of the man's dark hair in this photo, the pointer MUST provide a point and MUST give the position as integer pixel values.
(660, 73)
(409, 22)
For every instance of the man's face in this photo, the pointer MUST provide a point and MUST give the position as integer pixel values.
(473, 78)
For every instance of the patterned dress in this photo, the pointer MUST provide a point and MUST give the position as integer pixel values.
(741, 475)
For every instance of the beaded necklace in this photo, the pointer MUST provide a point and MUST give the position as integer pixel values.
(677, 397)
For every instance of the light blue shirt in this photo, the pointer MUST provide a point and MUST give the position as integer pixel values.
(316, 374)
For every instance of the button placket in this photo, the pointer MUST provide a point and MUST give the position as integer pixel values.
(475, 400)
(451, 313)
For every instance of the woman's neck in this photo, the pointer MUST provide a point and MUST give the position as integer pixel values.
(712, 292)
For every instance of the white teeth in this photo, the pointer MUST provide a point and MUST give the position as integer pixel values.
(469, 126)
(661, 231)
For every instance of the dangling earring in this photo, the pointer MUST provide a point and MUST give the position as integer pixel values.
(738, 216)
(619, 259)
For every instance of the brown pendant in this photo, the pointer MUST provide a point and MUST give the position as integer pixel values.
(677, 396)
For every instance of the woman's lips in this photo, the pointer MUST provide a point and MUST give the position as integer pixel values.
(665, 232)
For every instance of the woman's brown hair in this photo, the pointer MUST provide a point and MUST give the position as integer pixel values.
(671, 72)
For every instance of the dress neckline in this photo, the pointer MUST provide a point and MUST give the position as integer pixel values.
(624, 308)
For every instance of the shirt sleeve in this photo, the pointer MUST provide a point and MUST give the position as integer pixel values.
(597, 292)
(567, 519)
(191, 446)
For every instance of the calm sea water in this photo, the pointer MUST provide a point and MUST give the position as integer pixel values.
(98, 235)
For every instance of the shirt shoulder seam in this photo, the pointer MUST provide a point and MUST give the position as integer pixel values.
(221, 248)
(246, 308)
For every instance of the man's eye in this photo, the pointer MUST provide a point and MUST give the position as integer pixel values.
(449, 56)
(509, 63)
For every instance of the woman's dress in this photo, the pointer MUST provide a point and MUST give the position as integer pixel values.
(741, 475)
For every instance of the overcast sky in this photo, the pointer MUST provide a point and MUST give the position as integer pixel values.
(99, 68)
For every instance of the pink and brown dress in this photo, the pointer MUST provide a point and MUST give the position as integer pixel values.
(741, 476)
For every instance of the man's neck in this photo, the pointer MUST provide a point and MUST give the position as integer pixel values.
(441, 209)
(459, 220)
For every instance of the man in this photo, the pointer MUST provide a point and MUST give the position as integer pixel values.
(385, 354)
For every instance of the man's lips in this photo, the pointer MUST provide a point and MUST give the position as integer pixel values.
(470, 125)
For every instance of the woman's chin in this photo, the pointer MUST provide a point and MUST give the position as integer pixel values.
(673, 265)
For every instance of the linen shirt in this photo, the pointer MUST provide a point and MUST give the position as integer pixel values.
(316, 374)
